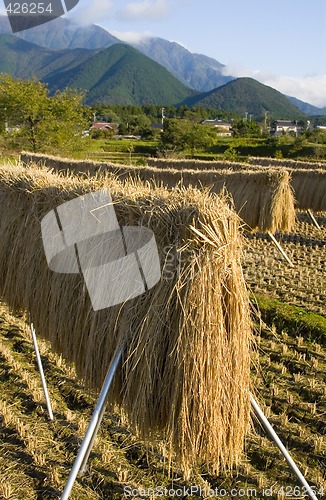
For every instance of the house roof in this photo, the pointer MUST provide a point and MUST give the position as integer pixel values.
(284, 123)
(216, 123)
(104, 125)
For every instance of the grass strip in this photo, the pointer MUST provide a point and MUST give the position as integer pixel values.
(296, 321)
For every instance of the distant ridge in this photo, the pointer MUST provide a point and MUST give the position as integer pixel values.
(194, 70)
(246, 95)
(306, 108)
(62, 33)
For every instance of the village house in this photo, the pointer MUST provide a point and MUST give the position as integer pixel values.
(114, 127)
(224, 128)
(281, 127)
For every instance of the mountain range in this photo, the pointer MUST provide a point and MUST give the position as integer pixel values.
(62, 53)
(197, 71)
(119, 74)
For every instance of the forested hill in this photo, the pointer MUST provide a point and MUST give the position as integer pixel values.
(121, 75)
(246, 95)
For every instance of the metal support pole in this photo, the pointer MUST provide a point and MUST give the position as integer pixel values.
(93, 426)
(40, 367)
(270, 431)
(312, 217)
(280, 249)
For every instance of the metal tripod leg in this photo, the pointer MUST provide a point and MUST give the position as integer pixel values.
(312, 217)
(279, 248)
(86, 446)
(270, 431)
(40, 367)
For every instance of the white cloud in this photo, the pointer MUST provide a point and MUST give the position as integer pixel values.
(91, 12)
(311, 89)
(150, 10)
(132, 36)
(308, 88)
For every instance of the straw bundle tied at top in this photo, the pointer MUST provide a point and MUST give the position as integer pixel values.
(185, 371)
(263, 198)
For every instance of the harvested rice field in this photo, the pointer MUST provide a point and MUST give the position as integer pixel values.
(36, 455)
(267, 272)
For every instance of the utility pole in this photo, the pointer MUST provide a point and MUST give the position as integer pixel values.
(163, 116)
(6, 122)
(266, 113)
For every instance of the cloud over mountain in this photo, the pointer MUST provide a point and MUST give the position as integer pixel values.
(132, 37)
(309, 88)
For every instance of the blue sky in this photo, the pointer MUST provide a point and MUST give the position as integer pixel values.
(279, 42)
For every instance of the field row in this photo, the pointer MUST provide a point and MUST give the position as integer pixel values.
(266, 271)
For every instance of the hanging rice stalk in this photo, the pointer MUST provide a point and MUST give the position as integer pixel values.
(310, 189)
(185, 371)
(287, 163)
(263, 198)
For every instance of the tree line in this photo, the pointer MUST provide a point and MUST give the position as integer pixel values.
(31, 118)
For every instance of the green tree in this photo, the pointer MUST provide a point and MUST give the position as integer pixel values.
(184, 134)
(318, 136)
(200, 137)
(173, 134)
(41, 122)
(246, 128)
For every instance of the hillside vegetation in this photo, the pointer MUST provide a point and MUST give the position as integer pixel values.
(246, 95)
(23, 59)
(121, 75)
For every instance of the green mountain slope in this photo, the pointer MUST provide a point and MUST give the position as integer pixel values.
(121, 75)
(246, 95)
(24, 59)
(19, 58)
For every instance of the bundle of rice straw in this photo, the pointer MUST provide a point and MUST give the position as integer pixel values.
(185, 371)
(287, 163)
(263, 198)
(310, 189)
